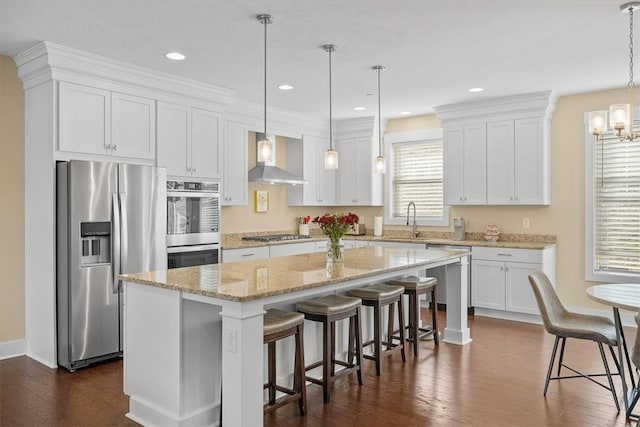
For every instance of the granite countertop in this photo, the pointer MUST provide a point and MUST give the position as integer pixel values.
(514, 241)
(249, 280)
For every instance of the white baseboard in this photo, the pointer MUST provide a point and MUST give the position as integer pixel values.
(13, 349)
(627, 318)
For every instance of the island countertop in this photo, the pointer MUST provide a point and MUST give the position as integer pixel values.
(249, 280)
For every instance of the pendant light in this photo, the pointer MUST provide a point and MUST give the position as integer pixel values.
(379, 163)
(620, 115)
(265, 146)
(330, 156)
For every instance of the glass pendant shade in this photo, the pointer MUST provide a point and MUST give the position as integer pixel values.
(379, 165)
(331, 159)
(265, 150)
(597, 122)
(620, 117)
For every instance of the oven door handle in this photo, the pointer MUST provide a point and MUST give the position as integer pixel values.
(194, 194)
(192, 248)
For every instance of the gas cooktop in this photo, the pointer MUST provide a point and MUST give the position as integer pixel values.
(275, 237)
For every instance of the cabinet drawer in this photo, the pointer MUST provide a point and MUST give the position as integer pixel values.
(230, 255)
(507, 254)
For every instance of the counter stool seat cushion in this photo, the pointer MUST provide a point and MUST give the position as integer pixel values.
(331, 304)
(376, 292)
(279, 321)
(415, 282)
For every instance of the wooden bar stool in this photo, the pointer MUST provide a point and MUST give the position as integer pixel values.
(329, 310)
(415, 286)
(278, 325)
(377, 296)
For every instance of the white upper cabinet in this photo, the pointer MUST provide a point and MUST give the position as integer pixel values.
(497, 151)
(357, 184)
(305, 158)
(235, 164)
(188, 141)
(102, 122)
(464, 175)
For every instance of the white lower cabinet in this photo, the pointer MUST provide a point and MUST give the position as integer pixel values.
(499, 279)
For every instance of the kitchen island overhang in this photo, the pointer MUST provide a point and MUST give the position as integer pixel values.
(175, 349)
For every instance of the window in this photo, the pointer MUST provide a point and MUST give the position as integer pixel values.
(414, 174)
(612, 209)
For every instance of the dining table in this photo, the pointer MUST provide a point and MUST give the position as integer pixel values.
(621, 296)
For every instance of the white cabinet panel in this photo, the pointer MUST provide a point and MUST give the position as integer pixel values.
(292, 249)
(519, 295)
(500, 164)
(305, 158)
(531, 163)
(357, 183)
(206, 150)
(235, 164)
(133, 126)
(188, 141)
(487, 289)
(465, 169)
(174, 135)
(231, 255)
(84, 121)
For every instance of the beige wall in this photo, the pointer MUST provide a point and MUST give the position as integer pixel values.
(12, 204)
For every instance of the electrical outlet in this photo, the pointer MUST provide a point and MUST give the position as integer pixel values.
(231, 340)
(525, 222)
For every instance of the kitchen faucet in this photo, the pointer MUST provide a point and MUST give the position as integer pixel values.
(416, 233)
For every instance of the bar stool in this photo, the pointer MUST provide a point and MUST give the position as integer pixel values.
(377, 296)
(277, 325)
(415, 286)
(328, 310)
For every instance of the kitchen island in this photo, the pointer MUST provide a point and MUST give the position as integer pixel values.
(187, 329)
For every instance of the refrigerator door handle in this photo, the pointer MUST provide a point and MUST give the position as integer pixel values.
(124, 232)
(116, 242)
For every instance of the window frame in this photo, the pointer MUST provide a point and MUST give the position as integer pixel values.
(589, 213)
(408, 137)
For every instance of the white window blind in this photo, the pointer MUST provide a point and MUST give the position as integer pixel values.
(616, 209)
(417, 177)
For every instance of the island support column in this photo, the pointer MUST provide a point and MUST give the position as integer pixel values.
(457, 331)
(242, 364)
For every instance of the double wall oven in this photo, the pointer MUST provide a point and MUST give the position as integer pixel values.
(193, 223)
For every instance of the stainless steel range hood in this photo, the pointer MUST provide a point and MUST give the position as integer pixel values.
(267, 173)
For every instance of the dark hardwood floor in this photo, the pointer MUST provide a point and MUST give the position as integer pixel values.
(496, 380)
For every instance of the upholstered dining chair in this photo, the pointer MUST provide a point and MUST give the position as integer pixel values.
(564, 324)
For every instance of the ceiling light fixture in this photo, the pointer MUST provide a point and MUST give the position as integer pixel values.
(620, 115)
(265, 146)
(330, 156)
(476, 89)
(285, 87)
(379, 162)
(405, 113)
(359, 108)
(176, 56)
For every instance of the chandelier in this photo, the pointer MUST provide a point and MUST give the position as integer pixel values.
(379, 162)
(331, 155)
(620, 115)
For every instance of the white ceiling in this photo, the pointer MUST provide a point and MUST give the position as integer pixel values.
(434, 50)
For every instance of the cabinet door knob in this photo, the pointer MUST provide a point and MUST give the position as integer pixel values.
(115, 147)
(108, 146)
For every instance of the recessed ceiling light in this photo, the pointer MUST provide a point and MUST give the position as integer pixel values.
(405, 113)
(285, 87)
(359, 108)
(476, 89)
(176, 56)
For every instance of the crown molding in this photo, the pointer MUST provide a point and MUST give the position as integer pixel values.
(534, 104)
(46, 61)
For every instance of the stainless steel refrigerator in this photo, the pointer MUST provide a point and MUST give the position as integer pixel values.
(111, 219)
